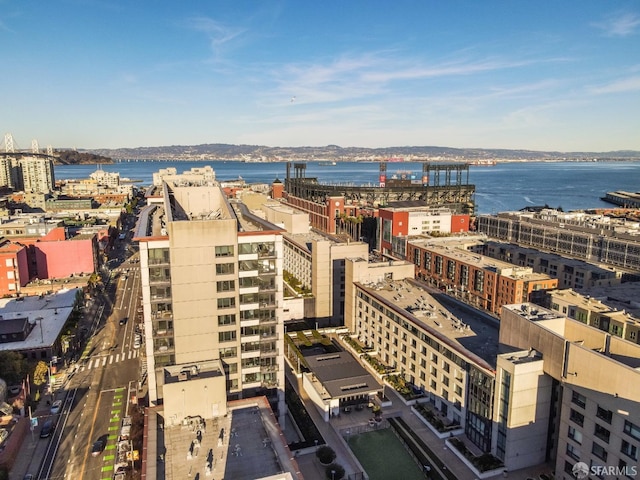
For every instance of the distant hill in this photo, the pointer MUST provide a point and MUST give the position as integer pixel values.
(221, 151)
(74, 157)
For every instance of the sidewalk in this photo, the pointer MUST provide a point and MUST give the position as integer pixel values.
(33, 448)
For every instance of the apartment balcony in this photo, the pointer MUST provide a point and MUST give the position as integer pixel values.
(269, 353)
(244, 306)
(158, 261)
(267, 287)
(251, 384)
(162, 333)
(254, 338)
(155, 298)
(268, 336)
(251, 322)
(163, 346)
(268, 368)
(251, 370)
(166, 315)
(249, 354)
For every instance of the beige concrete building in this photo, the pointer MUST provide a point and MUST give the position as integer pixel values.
(607, 315)
(211, 291)
(588, 383)
(547, 388)
(571, 273)
(37, 174)
(197, 175)
(27, 173)
(449, 359)
(317, 261)
(293, 221)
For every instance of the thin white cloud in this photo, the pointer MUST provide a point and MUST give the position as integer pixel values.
(370, 75)
(630, 84)
(218, 33)
(619, 25)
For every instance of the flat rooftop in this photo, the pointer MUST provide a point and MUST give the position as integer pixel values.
(469, 336)
(194, 203)
(48, 312)
(574, 262)
(456, 249)
(246, 444)
(623, 296)
(581, 301)
(624, 352)
(341, 375)
(304, 240)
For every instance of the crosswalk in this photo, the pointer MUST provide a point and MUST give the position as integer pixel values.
(101, 361)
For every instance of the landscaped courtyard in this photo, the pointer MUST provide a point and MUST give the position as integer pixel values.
(383, 456)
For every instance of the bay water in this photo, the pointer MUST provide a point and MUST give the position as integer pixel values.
(503, 187)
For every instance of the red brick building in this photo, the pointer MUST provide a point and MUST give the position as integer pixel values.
(14, 267)
(483, 282)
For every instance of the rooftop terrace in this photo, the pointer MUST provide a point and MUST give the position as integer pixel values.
(247, 444)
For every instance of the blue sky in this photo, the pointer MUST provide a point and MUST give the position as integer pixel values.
(540, 75)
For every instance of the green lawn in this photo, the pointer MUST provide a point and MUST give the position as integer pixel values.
(383, 456)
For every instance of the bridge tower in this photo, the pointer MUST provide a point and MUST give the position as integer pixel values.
(8, 143)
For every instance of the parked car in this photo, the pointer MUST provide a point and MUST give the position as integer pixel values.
(14, 390)
(55, 407)
(47, 429)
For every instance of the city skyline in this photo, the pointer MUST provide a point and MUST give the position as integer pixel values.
(544, 76)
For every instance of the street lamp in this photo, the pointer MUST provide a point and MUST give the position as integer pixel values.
(206, 401)
(333, 474)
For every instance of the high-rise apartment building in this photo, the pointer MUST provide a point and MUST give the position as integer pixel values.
(211, 291)
(587, 386)
(37, 174)
(10, 172)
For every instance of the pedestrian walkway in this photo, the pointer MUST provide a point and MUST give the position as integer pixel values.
(309, 465)
(33, 448)
(102, 360)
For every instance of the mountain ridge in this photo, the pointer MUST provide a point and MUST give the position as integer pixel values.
(223, 151)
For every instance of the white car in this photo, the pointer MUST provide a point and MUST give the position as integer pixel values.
(136, 343)
(55, 407)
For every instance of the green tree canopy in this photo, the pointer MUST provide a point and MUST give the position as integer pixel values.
(13, 367)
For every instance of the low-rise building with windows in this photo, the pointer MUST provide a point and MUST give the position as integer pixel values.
(483, 282)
